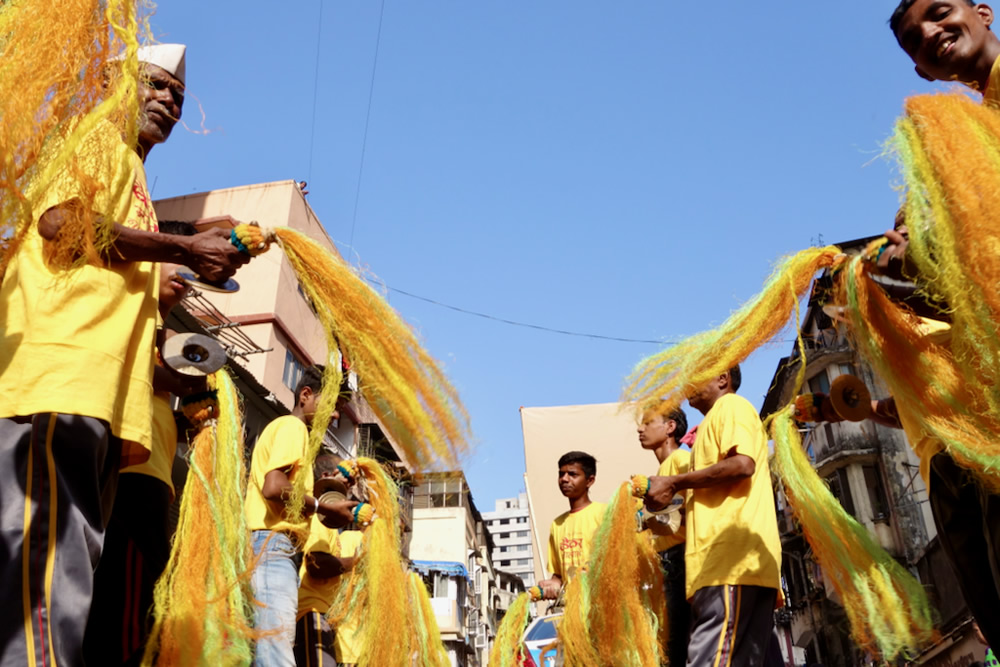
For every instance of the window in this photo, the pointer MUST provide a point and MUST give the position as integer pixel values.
(505, 563)
(293, 371)
(521, 547)
(522, 534)
(841, 488)
(522, 519)
(876, 493)
(439, 493)
(820, 383)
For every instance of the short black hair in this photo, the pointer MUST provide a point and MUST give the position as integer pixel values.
(177, 228)
(900, 11)
(735, 378)
(680, 420)
(326, 462)
(586, 461)
(312, 377)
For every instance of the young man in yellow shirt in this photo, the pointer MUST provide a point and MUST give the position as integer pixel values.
(572, 532)
(279, 457)
(76, 365)
(327, 557)
(661, 435)
(733, 553)
(951, 40)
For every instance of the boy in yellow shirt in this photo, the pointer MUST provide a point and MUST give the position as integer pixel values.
(327, 556)
(278, 457)
(661, 434)
(571, 533)
(733, 553)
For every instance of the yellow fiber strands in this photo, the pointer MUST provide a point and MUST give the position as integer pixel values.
(574, 637)
(56, 88)
(947, 147)
(887, 608)
(377, 590)
(506, 651)
(625, 622)
(429, 650)
(667, 377)
(406, 388)
(202, 602)
(921, 371)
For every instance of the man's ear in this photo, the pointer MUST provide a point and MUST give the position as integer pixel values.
(673, 429)
(985, 14)
(922, 74)
(591, 480)
(305, 394)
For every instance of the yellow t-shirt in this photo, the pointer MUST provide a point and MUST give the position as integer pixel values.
(317, 594)
(732, 530)
(81, 341)
(161, 457)
(991, 96)
(571, 538)
(346, 640)
(282, 444)
(677, 463)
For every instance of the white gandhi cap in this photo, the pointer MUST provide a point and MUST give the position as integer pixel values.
(170, 57)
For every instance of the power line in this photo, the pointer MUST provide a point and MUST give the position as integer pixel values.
(515, 323)
(368, 115)
(312, 131)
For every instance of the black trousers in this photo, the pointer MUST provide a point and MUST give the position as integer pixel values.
(678, 608)
(314, 641)
(968, 524)
(136, 550)
(57, 484)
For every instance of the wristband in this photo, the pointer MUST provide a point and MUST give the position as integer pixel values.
(536, 593)
(363, 514)
(250, 238)
(640, 486)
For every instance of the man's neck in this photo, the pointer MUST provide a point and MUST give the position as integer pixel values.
(984, 66)
(577, 504)
(664, 451)
(298, 412)
(708, 405)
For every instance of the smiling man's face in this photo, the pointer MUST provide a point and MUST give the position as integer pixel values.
(945, 38)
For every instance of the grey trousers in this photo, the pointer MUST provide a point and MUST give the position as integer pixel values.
(731, 626)
(57, 481)
(968, 524)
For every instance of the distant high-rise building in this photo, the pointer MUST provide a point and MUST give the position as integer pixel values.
(511, 531)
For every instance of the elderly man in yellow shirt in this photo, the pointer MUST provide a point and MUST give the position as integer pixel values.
(572, 532)
(733, 552)
(661, 435)
(76, 365)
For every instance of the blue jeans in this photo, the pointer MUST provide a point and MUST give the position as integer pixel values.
(275, 584)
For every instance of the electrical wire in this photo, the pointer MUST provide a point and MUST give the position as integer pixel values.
(368, 115)
(312, 132)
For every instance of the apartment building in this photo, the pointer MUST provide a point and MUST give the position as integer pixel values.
(874, 473)
(509, 524)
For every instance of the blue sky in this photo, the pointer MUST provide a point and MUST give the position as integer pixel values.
(628, 169)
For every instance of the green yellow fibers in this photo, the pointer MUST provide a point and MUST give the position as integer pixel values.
(507, 646)
(406, 388)
(887, 608)
(203, 605)
(626, 633)
(674, 372)
(56, 88)
(377, 590)
(430, 650)
(937, 393)
(574, 636)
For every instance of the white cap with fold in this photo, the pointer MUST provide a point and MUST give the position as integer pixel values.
(170, 57)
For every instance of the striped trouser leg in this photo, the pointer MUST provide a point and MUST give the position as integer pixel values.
(57, 476)
(731, 626)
